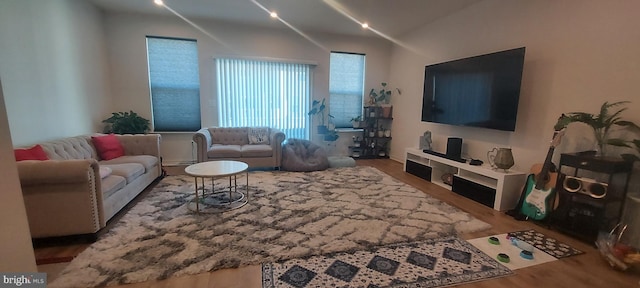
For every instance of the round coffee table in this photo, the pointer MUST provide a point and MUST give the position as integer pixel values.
(221, 200)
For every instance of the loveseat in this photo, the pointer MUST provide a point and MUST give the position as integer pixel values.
(256, 146)
(77, 191)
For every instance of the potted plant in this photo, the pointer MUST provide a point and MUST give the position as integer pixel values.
(331, 136)
(319, 108)
(126, 123)
(382, 98)
(601, 124)
(357, 121)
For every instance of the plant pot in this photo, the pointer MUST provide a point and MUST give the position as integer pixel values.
(381, 133)
(382, 153)
(386, 110)
(356, 124)
(372, 134)
(356, 144)
(322, 129)
(387, 133)
(372, 113)
(330, 137)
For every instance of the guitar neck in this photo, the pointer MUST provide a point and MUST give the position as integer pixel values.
(543, 177)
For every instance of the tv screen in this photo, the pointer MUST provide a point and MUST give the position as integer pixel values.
(480, 91)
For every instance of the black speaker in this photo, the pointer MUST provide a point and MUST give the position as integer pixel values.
(585, 186)
(454, 148)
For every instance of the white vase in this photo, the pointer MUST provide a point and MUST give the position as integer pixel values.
(387, 133)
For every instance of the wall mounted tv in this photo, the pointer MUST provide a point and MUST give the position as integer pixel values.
(480, 91)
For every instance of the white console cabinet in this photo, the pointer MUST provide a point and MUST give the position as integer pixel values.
(481, 183)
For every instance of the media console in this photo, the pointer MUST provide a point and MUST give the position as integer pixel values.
(494, 188)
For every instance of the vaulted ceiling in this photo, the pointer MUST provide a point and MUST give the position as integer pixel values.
(391, 17)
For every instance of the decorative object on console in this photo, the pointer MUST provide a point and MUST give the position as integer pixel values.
(126, 123)
(425, 141)
(500, 158)
(601, 124)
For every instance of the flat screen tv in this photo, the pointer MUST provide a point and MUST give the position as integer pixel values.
(480, 91)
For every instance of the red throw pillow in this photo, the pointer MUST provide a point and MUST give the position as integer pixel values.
(108, 146)
(34, 153)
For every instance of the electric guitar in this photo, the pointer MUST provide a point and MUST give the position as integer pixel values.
(540, 185)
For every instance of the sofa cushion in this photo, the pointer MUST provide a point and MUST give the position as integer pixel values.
(149, 162)
(224, 151)
(78, 147)
(34, 153)
(105, 171)
(258, 135)
(111, 184)
(258, 150)
(229, 135)
(130, 171)
(108, 146)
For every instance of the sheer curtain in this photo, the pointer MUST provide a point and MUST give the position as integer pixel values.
(264, 93)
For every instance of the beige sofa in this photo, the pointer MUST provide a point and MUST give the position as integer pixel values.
(232, 143)
(66, 195)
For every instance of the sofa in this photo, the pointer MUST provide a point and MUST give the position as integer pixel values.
(256, 146)
(76, 191)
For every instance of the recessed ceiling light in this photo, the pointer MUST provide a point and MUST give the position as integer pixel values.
(158, 2)
(365, 25)
(274, 15)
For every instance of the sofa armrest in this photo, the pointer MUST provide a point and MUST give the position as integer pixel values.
(202, 138)
(62, 197)
(140, 144)
(56, 171)
(276, 139)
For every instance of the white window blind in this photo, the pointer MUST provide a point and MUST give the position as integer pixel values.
(264, 93)
(346, 87)
(175, 84)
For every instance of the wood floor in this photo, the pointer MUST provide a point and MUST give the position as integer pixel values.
(586, 270)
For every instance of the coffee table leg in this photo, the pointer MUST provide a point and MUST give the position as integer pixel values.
(197, 208)
(247, 177)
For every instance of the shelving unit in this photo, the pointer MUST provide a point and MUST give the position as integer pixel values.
(374, 143)
(494, 188)
(580, 213)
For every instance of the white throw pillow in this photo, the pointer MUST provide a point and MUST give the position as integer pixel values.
(105, 171)
(259, 135)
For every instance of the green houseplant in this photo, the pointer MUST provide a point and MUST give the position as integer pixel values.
(357, 121)
(601, 124)
(126, 123)
(382, 97)
(318, 108)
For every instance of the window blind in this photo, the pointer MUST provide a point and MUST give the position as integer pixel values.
(346, 87)
(175, 84)
(264, 93)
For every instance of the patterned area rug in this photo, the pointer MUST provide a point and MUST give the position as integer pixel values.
(431, 263)
(289, 215)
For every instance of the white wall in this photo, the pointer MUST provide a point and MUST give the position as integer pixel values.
(579, 54)
(16, 252)
(53, 64)
(126, 33)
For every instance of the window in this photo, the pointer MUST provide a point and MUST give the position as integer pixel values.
(346, 87)
(264, 93)
(175, 84)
